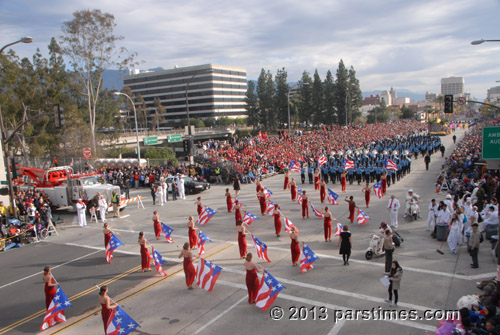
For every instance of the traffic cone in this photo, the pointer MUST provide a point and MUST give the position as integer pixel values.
(437, 188)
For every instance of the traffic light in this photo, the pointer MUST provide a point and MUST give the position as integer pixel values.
(58, 117)
(185, 145)
(15, 168)
(448, 103)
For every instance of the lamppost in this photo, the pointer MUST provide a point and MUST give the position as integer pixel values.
(26, 39)
(481, 41)
(136, 129)
(190, 135)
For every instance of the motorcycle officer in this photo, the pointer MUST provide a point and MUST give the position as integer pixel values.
(412, 199)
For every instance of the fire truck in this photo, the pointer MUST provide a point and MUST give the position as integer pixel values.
(64, 187)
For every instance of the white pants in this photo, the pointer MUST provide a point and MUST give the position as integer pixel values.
(165, 195)
(82, 219)
(431, 220)
(394, 218)
(102, 213)
(182, 195)
(160, 195)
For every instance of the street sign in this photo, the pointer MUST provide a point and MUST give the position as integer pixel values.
(150, 140)
(87, 153)
(461, 101)
(174, 138)
(491, 143)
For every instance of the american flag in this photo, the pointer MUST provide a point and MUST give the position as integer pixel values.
(158, 261)
(249, 218)
(270, 208)
(120, 323)
(207, 274)
(338, 229)
(307, 258)
(316, 212)
(167, 231)
(294, 166)
(332, 197)
(348, 164)
(113, 243)
(202, 238)
(269, 289)
(299, 196)
(288, 225)
(362, 217)
(390, 165)
(55, 311)
(206, 215)
(267, 192)
(321, 161)
(377, 188)
(260, 248)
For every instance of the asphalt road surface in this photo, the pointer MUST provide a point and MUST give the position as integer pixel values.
(318, 301)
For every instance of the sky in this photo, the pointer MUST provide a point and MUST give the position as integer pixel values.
(405, 44)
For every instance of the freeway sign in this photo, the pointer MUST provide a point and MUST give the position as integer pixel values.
(491, 143)
(150, 140)
(174, 138)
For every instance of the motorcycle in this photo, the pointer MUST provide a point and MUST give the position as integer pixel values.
(414, 209)
(375, 247)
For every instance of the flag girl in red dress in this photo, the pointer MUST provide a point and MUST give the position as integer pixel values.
(189, 270)
(305, 207)
(145, 255)
(237, 211)
(293, 189)
(156, 224)
(322, 190)
(287, 175)
(327, 224)
(316, 179)
(294, 246)
(242, 241)
(262, 201)
(50, 286)
(343, 180)
(229, 201)
(258, 186)
(367, 190)
(383, 179)
(107, 234)
(352, 207)
(192, 233)
(252, 280)
(199, 207)
(106, 305)
(277, 219)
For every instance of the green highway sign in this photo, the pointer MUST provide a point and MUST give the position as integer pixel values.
(174, 138)
(491, 143)
(150, 140)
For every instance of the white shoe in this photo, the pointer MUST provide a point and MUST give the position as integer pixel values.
(394, 304)
(388, 301)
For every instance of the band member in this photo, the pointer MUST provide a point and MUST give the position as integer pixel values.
(287, 175)
(50, 286)
(156, 224)
(294, 246)
(252, 280)
(383, 178)
(322, 190)
(343, 180)
(327, 224)
(189, 270)
(199, 205)
(367, 191)
(352, 207)
(229, 201)
(316, 179)
(192, 233)
(262, 201)
(293, 189)
(237, 211)
(106, 305)
(277, 220)
(107, 235)
(242, 241)
(145, 255)
(305, 207)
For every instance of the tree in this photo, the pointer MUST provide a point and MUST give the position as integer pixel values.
(317, 99)
(89, 43)
(281, 96)
(342, 93)
(329, 99)
(355, 95)
(379, 114)
(407, 113)
(160, 110)
(305, 93)
(265, 93)
(252, 105)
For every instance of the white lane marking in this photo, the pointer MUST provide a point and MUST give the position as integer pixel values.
(337, 327)
(52, 267)
(418, 270)
(220, 315)
(412, 324)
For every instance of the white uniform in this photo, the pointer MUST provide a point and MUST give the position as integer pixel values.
(103, 207)
(180, 187)
(80, 212)
(490, 218)
(455, 235)
(431, 218)
(393, 207)
(159, 191)
(164, 186)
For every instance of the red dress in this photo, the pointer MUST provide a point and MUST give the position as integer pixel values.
(107, 237)
(327, 223)
(295, 248)
(342, 182)
(237, 215)
(316, 183)
(50, 292)
(285, 185)
(305, 208)
(105, 315)
(252, 285)
(258, 188)
(145, 258)
(242, 244)
(293, 191)
(352, 207)
(277, 223)
(384, 185)
(263, 205)
(192, 238)
(229, 202)
(367, 197)
(189, 271)
(157, 226)
(322, 194)
(199, 209)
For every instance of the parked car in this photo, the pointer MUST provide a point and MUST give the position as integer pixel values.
(191, 186)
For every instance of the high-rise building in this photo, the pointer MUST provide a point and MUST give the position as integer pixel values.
(452, 85)
(211, 90)
(386, 96)
(430, 97)
(394, 95)
(493, 94)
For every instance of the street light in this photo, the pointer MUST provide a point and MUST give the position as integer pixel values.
(136, 130)
(481, 41)
(26, 39)
(190, 147)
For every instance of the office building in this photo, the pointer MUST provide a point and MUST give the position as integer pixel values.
(453, 85)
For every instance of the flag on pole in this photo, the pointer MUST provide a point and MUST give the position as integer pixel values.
(390, 165)
(113, 243)
(55, 312)
(269, 289)
(120, 322)
(348, 164)
(270, 208)
(377, 188)
(362, 217)
(158, 261)
(206, 215)
(202, 238)
(260, 248)
(288, 225)
(338, 229)
(307, 258)
(321, 161)
(316, 212)
(332, 197)
(249, 218)
(207, 274)
(167, 231)
(294, 166)
(299, 196)
(267, 192)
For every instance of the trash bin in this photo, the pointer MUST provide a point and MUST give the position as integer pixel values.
(490, 231)
(441, 232)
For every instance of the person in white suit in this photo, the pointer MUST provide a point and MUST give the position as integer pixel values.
(180, 187)
(393, 207)
(80, 213)
(164, 186)
(159, 192)
(431, 218)
(103, 207)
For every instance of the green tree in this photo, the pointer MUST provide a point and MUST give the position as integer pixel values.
(379, 114)
(329, 99)
(160, 110)
(252, 105)
(305, 94)
(265, 94)
(317, 99)
(89, 42)
(281, 96)
(407, 113)
(355, 95)
(342, 93)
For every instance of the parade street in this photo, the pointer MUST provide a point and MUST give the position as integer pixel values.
(311, 301)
